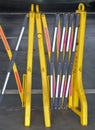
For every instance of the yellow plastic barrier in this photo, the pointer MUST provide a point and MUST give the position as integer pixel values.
(78, 95)
(78, 91)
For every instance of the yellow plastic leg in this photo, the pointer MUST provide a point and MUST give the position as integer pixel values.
(75, 97)
(45, 87)
(29, 67)
(77, 72)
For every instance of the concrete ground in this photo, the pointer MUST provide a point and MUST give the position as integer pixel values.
(11, 112)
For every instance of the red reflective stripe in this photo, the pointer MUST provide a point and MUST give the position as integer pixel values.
(70, 88)
(47, 39)
(65, 40)
(4, 39)
(58, 38)
(18, 82)
(64, 89)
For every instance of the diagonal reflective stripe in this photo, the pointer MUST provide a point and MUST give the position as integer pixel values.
(19, 39)
(62, 40)
(54, 39)
(68, 41)
(68, 85)
(75, 38)
(4, 87)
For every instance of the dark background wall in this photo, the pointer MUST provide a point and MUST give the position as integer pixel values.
(46, 5)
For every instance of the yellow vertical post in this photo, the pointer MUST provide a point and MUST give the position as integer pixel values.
(77, 71)
(45, 87)
(28, 76)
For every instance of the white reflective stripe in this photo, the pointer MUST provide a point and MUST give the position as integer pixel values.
(19, 39)
(68, 41)
(62, 86)
(68, 85)
(54, 39)
(57, 86)
(75, 38)
(6, 81)
(51, 85)
(62, 40)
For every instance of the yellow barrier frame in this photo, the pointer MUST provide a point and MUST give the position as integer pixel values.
(78, 91)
